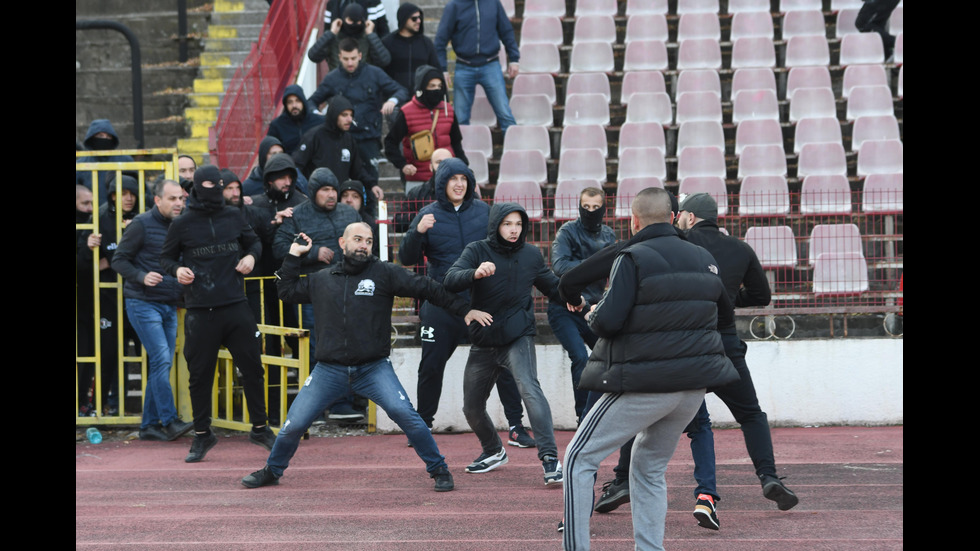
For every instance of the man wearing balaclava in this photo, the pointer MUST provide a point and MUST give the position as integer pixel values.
(101, 136)
(210, 248)
(575, 241)
(429, 105)
(354, 23)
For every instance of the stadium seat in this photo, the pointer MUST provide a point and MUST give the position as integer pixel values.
(645, 55)
(509, 8)
(834, 238)
(637, 162)
(753, 52)
(585, 136)
(763, 196)
(869, 101)
(712, 185)
(641, 134)
(840, 274)
(896, 23)
(627, 189)
(762, 160)
(477, 137)
(698, 53)
(748, 24)
(644, 7)
(525, 138)
(697, 6)
(846, 22)
(544, 8)
(479, 166)
(588, 83)
(532, 110)
(821, 159)
(650, 107)
(591, 57)
(759, 78)
(701, 162)
(774, 245)
(748, 6)
(754, 104)
(883, 194)
(698, 106)
(884, 127)
(804, 23)
(863, 75)
(535, 83)
(595, 7)
(594, 28)
(880, 157)
(800, 5)
(698, 25)
(812, 103)
(523, 165)
(482, 112)
(901, 82)
(542, 30)
(837, 5)
(540, 58)
(646, 26)
(700, 134)
(807, 51)
(582, 164)
(825, 194)
(698, 80)
(524, 193)
(757, 132)
(640, 81)
(567, 197)
(816, 130)
(586, 109)
(861, 49)
(899, 53)
(807, 77)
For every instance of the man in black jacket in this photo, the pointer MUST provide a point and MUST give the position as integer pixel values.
(658, 350)
(352, 22)
(409, 47)
(210, 249)
(295, 120)
(353, 302)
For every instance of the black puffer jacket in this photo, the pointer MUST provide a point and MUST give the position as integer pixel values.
(658, 322)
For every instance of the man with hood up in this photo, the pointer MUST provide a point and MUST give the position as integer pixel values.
(210, 248)
(295, 120)
(429, 104)
(409, 47)
(357, 26)
(499, 272)
(101, 136)
(254, 184)
(437, 235)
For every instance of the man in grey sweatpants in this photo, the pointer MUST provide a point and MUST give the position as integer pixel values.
(658, 350)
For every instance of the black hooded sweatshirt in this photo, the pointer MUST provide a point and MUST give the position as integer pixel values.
(329, 146)
(408, 54)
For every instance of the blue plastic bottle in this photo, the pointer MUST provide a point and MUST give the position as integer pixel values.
(93, 435)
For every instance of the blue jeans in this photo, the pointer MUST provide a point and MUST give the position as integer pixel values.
(573, 333)
(309, 322)
(703, 453)
(377, 381)
(492, 79)
(156, 325)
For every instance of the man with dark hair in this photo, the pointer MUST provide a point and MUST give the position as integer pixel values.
(151, 300)
(409, 47)
(355, 24)
(421, 195)
(210, 249)
(295, 120)
(658, 350)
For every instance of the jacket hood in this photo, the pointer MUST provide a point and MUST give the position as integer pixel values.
(497, 214)
(100, 125)
(322, 177)
(128, 182)
(447, 169)
(424, 74)
(293, 90)
(338, 104)
(405, 11)
(278, 164)
(264, 146)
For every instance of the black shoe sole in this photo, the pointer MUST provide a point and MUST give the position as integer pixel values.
(613, 502)
(705, 520)
(248, 485)
(172, 437)
(258, 442)
(519, 445)
(784, 498)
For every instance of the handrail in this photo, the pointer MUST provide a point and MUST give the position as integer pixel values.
(136, 67)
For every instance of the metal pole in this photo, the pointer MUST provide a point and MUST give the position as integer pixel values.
(134, 47)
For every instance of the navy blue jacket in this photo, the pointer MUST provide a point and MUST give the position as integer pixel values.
(476, 36)
(138, 254)
(84, 177)
(367, 88)
(288, 130)
(573, 244)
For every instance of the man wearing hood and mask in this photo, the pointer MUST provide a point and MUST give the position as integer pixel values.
(499, 272)
(295, 120)
(409, 47)
(101, 136)
(575, 241)
(429, 106)
(356, 25)
(210, 248)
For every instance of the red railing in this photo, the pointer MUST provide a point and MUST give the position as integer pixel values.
(252, 99)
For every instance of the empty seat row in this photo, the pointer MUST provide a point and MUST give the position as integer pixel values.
(558, 8)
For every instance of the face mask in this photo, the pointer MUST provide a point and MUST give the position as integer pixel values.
(212, 198)
(431, 98)
(592, 220)
(354, 29)
(101, 144)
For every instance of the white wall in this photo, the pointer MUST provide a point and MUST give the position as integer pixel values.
(807, 382)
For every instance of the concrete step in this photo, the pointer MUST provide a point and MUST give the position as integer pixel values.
(155, 106)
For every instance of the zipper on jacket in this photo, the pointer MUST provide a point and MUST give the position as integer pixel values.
(478, 34)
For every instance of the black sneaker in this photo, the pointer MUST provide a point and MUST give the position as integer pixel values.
(774, 489)
(704, 511)
(263, 437)
(614, 494)
(200, 446)
(520, 438)
(444, 480)
(552, 470)
(153, 433)
(261, 477)
(487, 462)
(177, 428)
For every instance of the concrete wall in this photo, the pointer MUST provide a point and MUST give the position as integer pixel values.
(806, 382)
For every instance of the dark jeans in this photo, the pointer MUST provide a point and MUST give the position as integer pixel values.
(574, 334)
(873, 17)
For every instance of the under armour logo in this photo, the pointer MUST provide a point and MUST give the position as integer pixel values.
(427, 333)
